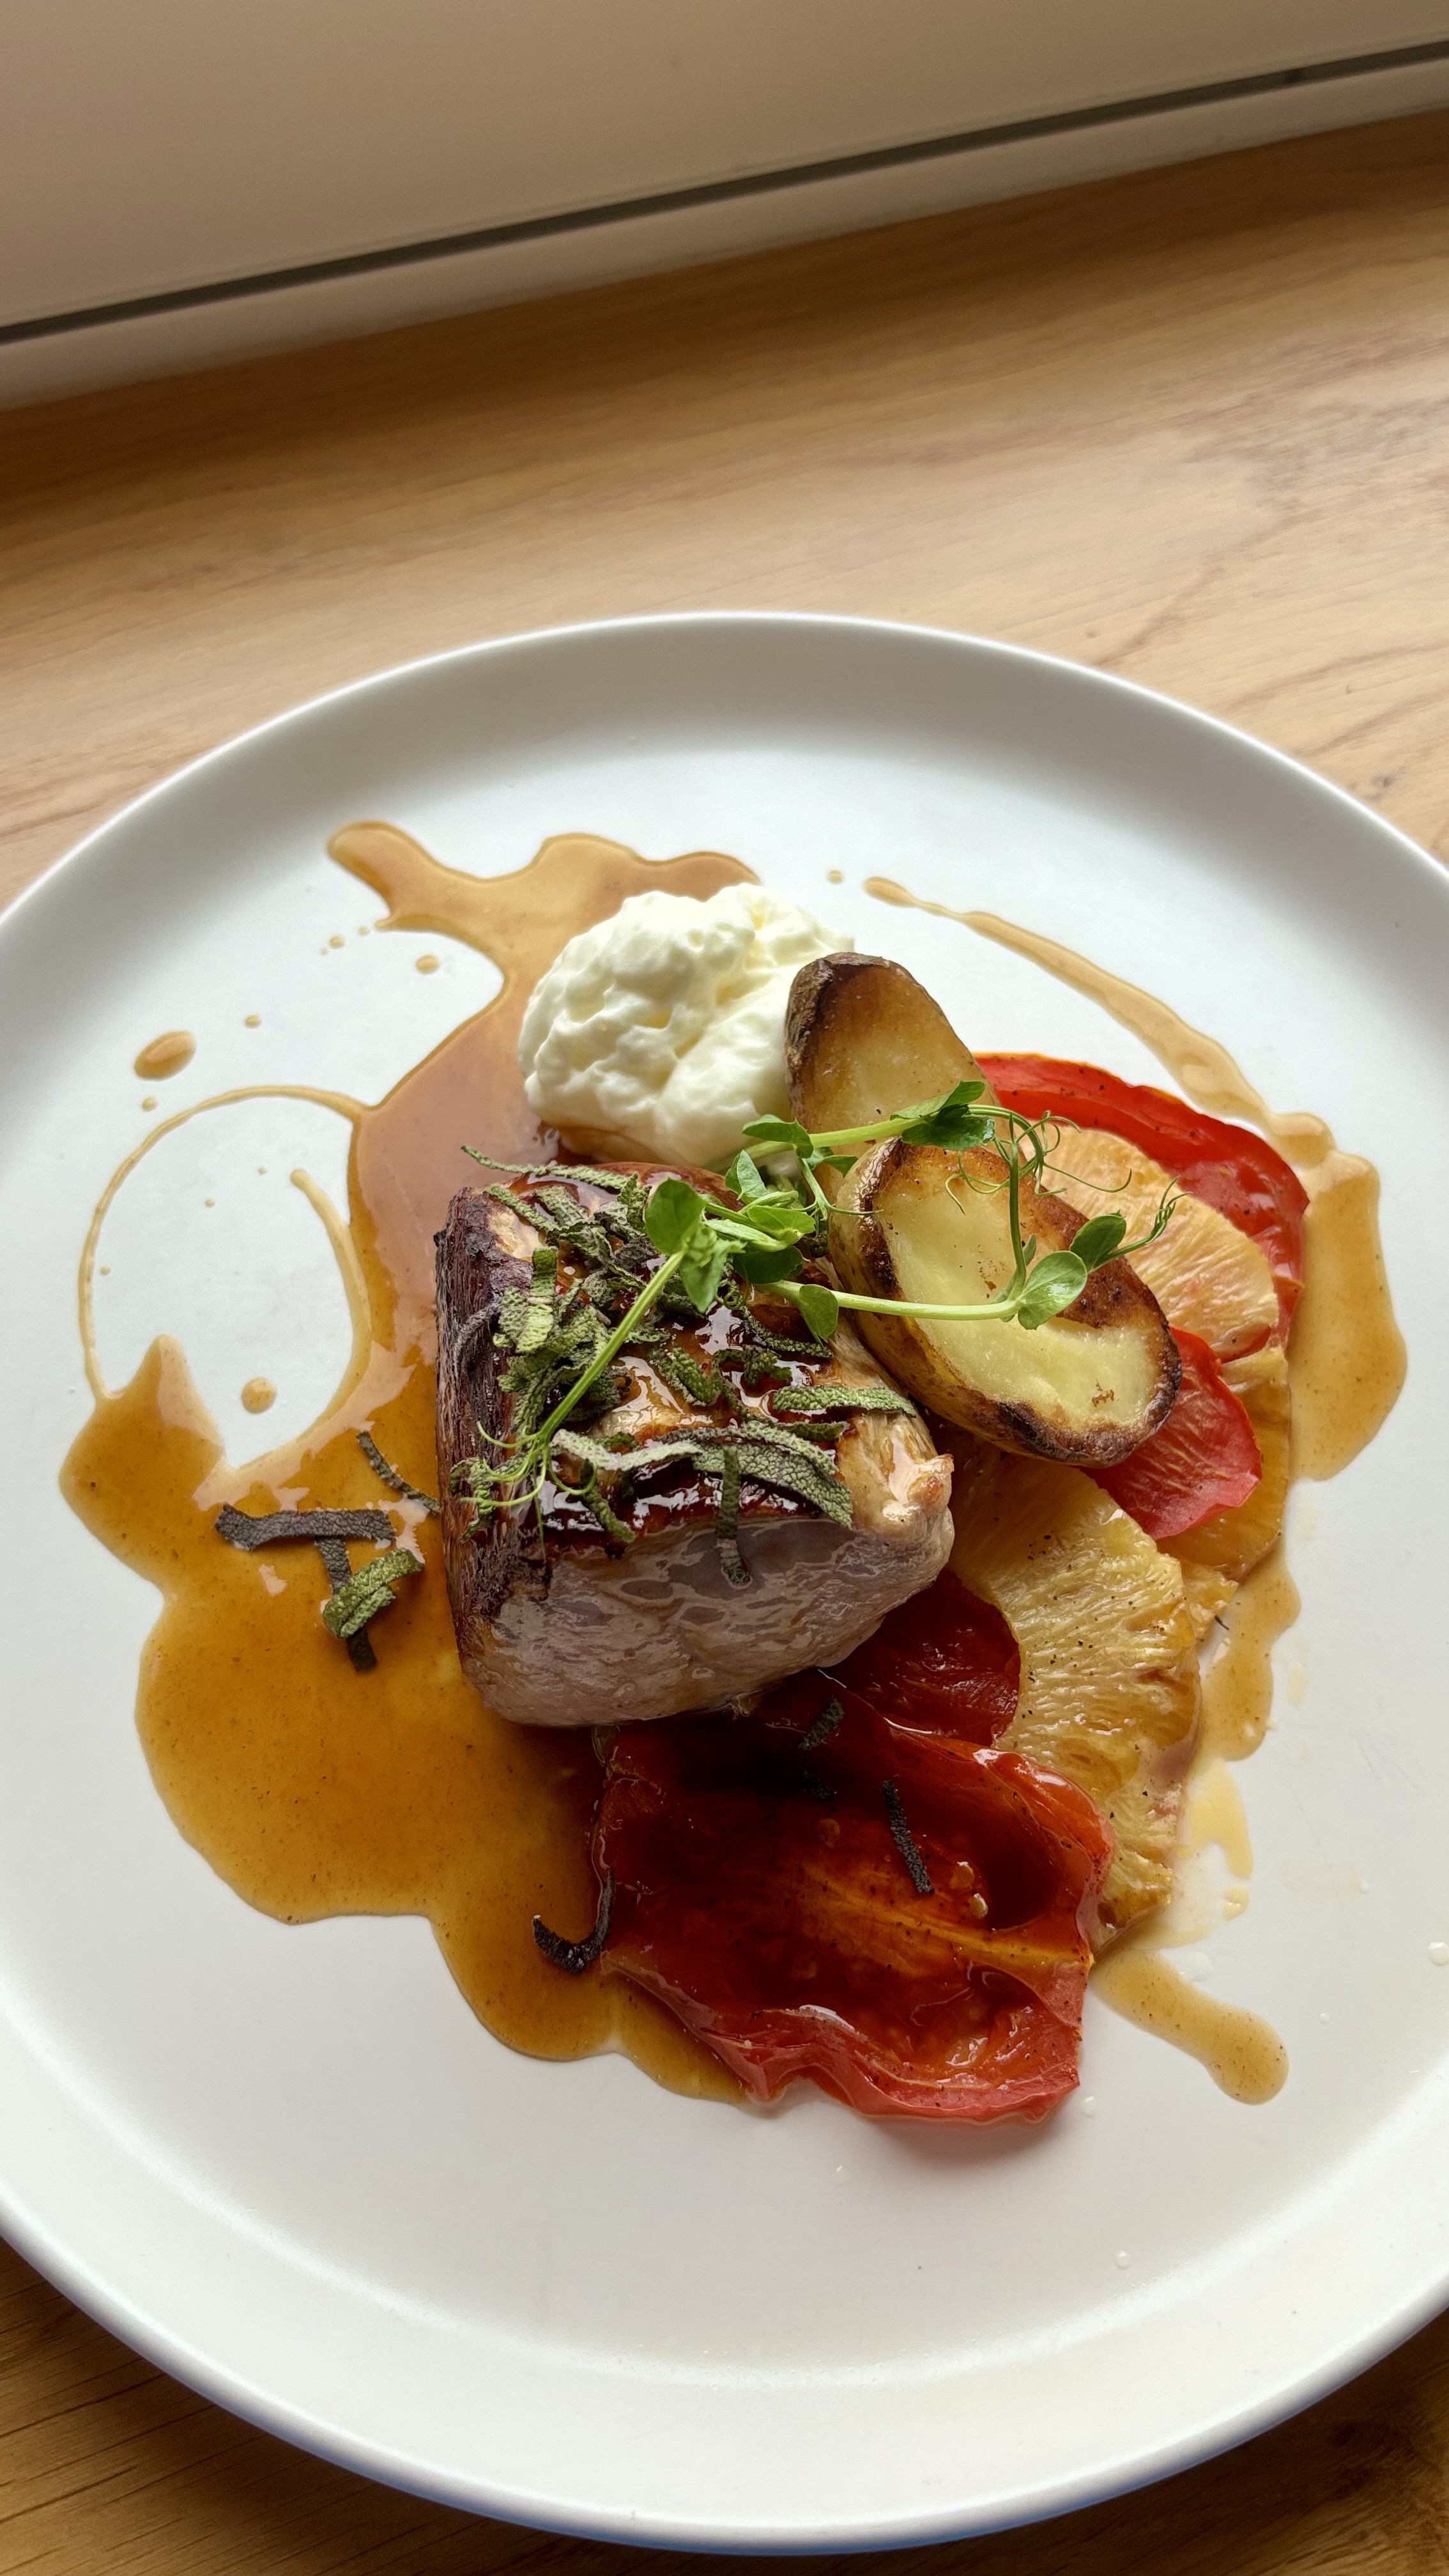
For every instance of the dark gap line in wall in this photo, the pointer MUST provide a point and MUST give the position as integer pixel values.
(719, 192)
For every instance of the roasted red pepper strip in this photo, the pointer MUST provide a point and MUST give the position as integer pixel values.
(762, 1894)
(1204, 1459)
(1235, 1171)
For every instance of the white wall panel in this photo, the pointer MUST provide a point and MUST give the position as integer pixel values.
(154, 145)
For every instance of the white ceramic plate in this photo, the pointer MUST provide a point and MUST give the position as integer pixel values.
(288, 2164)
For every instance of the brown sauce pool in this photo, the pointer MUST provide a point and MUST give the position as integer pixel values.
(315, 1790)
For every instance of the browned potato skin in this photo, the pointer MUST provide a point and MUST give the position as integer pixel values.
(1114, 1295)
(862, 1040)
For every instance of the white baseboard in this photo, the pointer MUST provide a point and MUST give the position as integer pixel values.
(515, 263)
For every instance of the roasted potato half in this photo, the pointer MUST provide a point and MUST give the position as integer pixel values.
(1086, 1388)
(864, 1039)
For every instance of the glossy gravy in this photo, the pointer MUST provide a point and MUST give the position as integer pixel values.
(313, 1789)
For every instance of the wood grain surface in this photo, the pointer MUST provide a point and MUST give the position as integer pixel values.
(1192, 426)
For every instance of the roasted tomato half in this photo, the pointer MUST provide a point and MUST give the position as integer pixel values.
(850, 1883)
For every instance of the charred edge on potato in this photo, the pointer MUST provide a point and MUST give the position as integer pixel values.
(1114, 1299)
(863, 1040)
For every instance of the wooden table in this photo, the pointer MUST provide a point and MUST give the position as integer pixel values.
(1193, 426)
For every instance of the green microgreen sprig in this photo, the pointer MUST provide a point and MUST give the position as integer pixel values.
(962, 1121)
(562, 1345)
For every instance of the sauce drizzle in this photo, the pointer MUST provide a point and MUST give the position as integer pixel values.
(1242, 2053)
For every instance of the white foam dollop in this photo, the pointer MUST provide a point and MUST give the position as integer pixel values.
(665, 1025)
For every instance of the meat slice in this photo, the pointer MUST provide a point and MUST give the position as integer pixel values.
(560, 1620)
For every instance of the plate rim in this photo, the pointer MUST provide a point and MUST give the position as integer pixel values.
(42, 2244)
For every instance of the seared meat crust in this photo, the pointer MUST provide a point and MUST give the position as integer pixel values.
(560, 1625)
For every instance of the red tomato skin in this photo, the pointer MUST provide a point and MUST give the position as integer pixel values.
(1033, 2066)
(1204, 1459)
(759, 1893)
(956, 1671)
(1234, 1170)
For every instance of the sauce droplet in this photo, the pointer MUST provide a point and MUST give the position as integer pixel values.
(165, 1055)
(428, 964)
(258, 1395)
(835, 876)
(253, 1020)
(336, 940)
(150, 1100)
(1237, 1691)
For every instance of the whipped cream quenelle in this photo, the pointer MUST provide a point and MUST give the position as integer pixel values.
(663, 1028)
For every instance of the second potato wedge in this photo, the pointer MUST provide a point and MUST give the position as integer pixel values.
(915, 1224)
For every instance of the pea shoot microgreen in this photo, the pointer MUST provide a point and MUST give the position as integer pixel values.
(679, 1250)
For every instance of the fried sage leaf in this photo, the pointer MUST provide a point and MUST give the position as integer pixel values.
(574, 1956)
(398, 1484)
(252, 1530)
(370, 1590)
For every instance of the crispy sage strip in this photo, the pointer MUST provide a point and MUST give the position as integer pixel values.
(766, 1452)
(825, 1724)
(727, 1526)
(574, 1956)
(333, 1552)
(272, 1529)
(840, 1399)
(814, 1736)
(389, 1474)
(328, 1532)
(368, 1591)
(905, 1841)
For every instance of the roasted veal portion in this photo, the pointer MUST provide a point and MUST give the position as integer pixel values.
(736, 1502)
